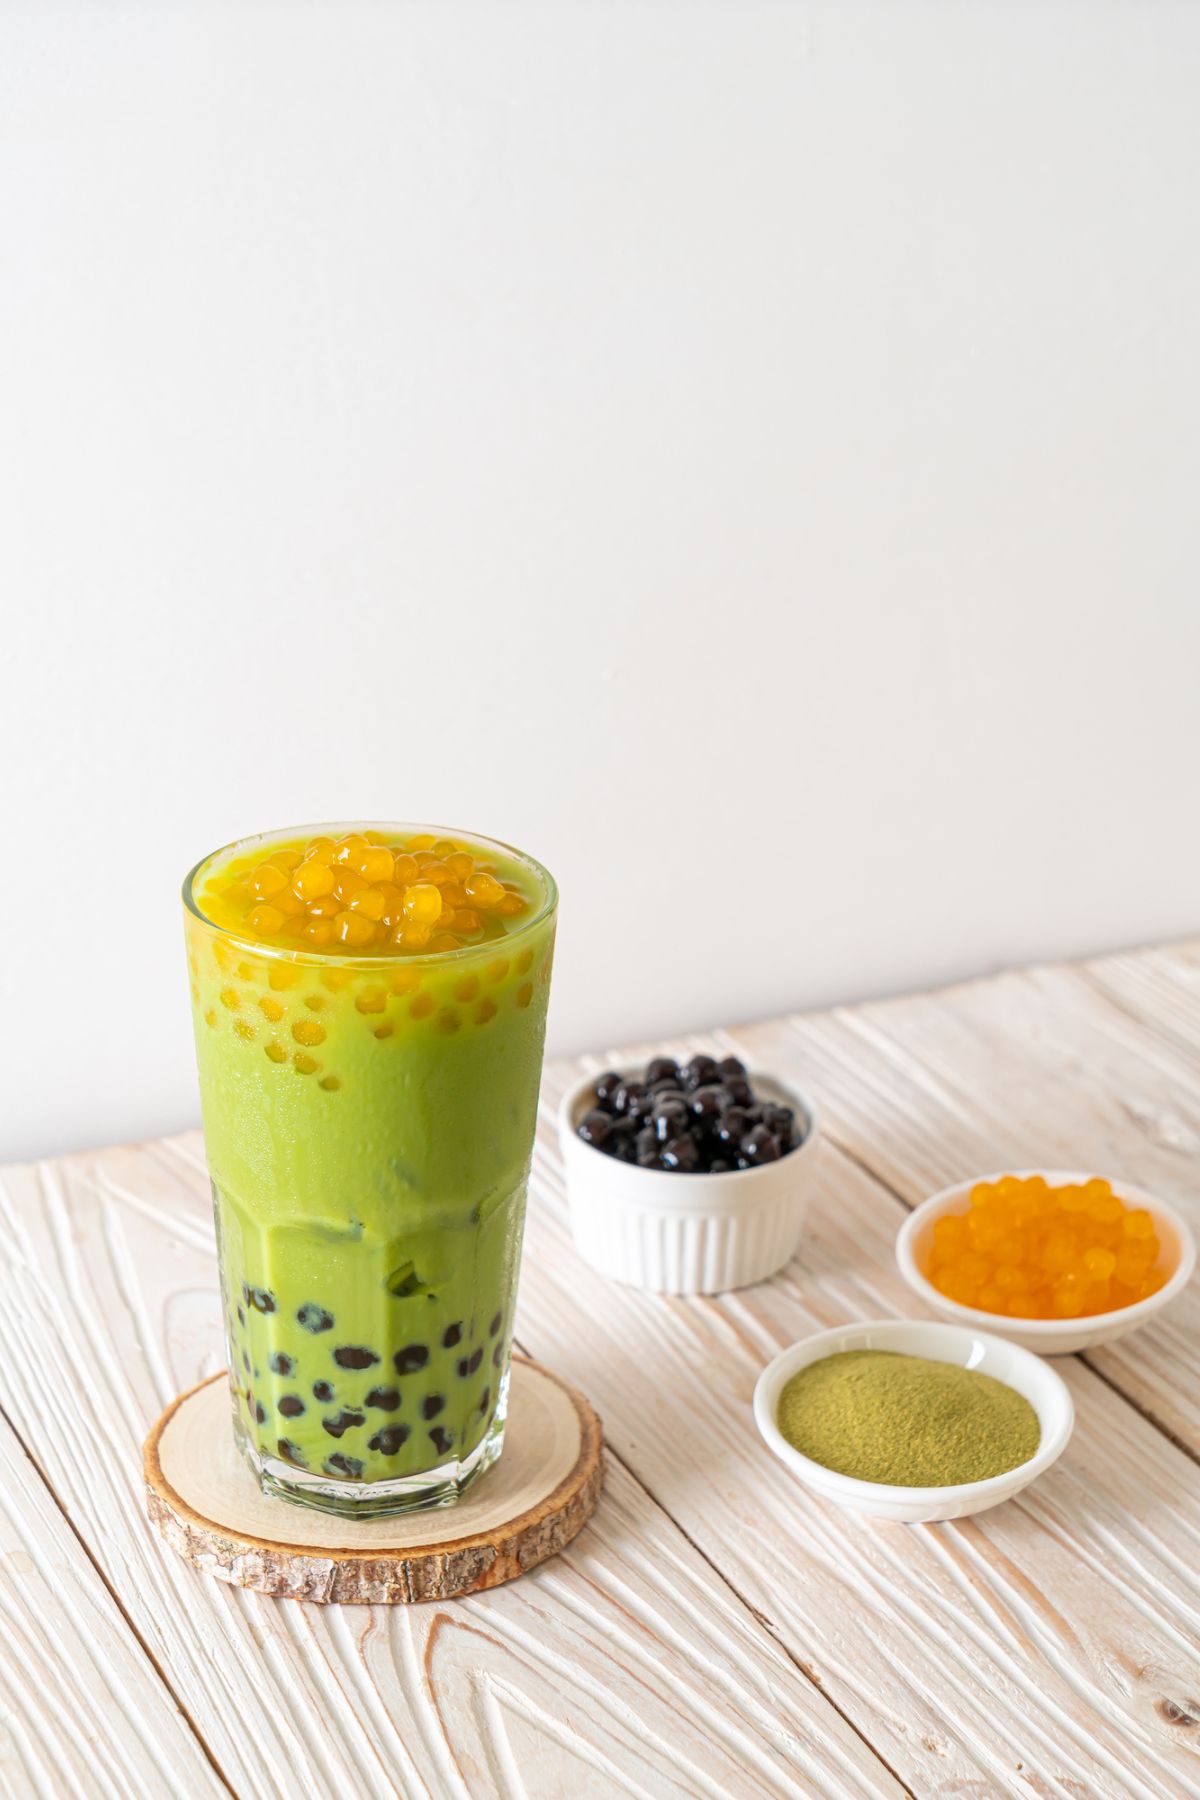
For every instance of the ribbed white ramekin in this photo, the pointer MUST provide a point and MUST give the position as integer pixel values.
(686, 1234)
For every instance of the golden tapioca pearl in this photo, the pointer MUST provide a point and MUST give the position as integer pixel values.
(282, 976)
(331, 1083)
(353, 930)
(287, 860)
(244, 1029)
(327, 907)
(437, 872)
(384, 1031)
(230, 998)
(318, 932)
(484, 1011)
(369, 902)
(275, 1051)
(448, 1019)
(496, 970)
(308, 1031)
(414, 936)
(404, 981)
(421, 1007)
(444, 940)
(512, 905)
(525, 961)
(271, 1009)
(525, 993)
(374, 863)
(460, 865)
(422, 903)
(210, 1017)
(371, 1000)
(453, 893)
(303, 1063)
(445, 847)
(405, 869)
(424, 840)
(348, 848)
(467, 921)
(313, 880)
(467, 988)
(348, 883)
(288, 904)
(336, 979)
(195, 990)
(266, 880)
(483, 890)
(265, 920)
(320, 849)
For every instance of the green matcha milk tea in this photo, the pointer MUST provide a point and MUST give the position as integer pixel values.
(370, 1008)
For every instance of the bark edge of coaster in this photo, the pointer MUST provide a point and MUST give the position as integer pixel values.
(207, 1505)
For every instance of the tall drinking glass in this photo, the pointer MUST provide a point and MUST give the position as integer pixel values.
(369, 1112)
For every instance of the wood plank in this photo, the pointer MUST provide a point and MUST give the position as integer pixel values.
(1033, 1068)
(82, 1710)
(1159, 988)
(1047, 1647)
(624, 1667)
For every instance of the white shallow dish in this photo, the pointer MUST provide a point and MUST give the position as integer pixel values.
(1045, 1391)
(1048, 1337)
(686, 1234)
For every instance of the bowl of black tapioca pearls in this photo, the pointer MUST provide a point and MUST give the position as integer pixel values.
(688, 1177)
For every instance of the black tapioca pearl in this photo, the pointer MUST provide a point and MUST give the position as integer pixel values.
(262, 1300)
(314, 1318)
(291, 1452)
(485, 1399)
(241, 1316)
(354, 1356)
(386, 1399)
(291, 1406)
(343, 1421)
(452, 1335)
(260, 1412)
(245, 1295)
(323, 1390)
(441, 1440)
(467, 1365)
(411, 1358)
(495, 1325)
(390, 1440)
(246, 1361)
(432, 1405)
(344, 1465)
(282, 1363)
(497, 1356)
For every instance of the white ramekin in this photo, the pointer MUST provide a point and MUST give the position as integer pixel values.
(686, 1234)
(1045, 1391)
(1048, 1337)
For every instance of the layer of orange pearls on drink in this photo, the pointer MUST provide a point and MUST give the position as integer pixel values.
(362, 893)
(1033, 1251)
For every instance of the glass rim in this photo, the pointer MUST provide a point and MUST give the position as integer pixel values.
(379, 958)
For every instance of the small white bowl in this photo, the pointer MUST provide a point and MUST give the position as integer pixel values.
(1045, 1391)
(686, 1234)
(1049, 1337)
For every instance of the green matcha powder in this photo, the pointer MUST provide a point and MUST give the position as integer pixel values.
(880, 1416)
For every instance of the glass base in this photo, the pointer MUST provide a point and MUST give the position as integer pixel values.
(444, 1485)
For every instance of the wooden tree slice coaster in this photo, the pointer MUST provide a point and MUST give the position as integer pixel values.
(207, 1504)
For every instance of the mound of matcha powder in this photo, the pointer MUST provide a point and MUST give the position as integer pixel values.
(880, 1416)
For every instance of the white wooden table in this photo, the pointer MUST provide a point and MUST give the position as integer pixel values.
(714, 1631)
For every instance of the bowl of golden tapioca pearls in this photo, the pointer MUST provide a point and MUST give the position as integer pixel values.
(1052, 1259)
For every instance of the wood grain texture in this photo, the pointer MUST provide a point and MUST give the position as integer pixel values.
(1048, 1647)
(82, 1710)
(206, 1504)
(624, 1667)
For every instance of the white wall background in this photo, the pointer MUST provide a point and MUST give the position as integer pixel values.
(746, 453)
